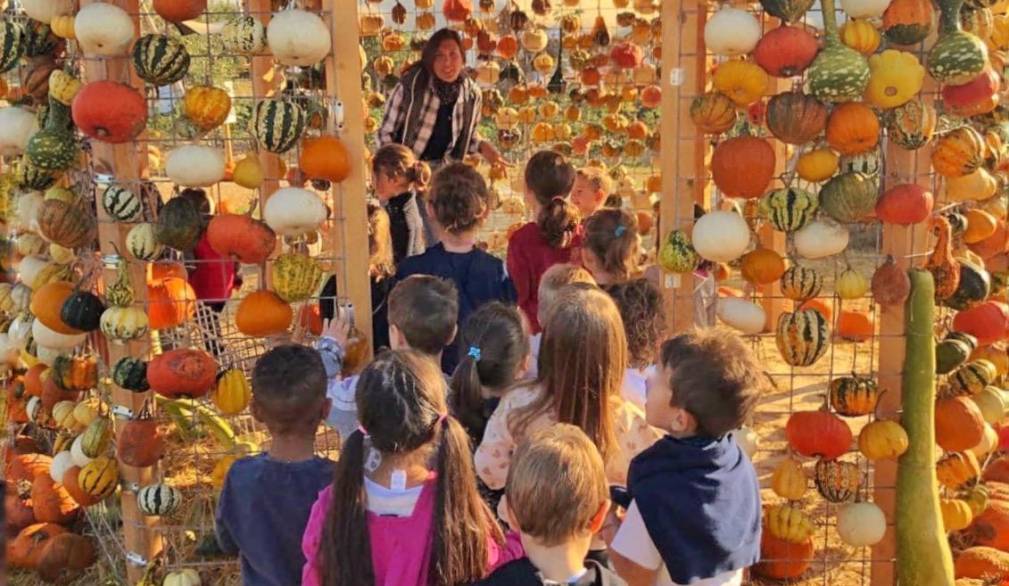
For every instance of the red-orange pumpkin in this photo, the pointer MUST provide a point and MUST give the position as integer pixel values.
(907, 203)
(854, 326)
(51, 502)
(170, 302)
(139, 442)
(743, 152)
(310, 318)
(818, 433)
(73, 486)
(179, 10)
(785, 51)
(65, 558)
(25, 550)
(993, 245)
(240, 237)
(25, 467)
(782, 560)
(627, 55)
(263, 313)
(18, 512)
(852, 128)
(959, 424)
(795, 117)
(978, 96)
(324, 157)
(991, 527)
(164, 269)
(987, 321)
(182, 372)
(651, 96)
(122, 123)
(457, 10)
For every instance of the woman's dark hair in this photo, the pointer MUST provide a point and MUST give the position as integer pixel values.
(612, 236)
(401, 404)
(549, 176)
(425, 67)
(492, 345)
(640, 305)
(459, 197)
(395, 160)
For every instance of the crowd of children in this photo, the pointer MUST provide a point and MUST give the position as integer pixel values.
(524, 422)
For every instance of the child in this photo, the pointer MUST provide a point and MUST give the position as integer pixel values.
(403, 509)
(554, 279)
(640, 305)
(612, 246)
(591, 190)
(266, 499)
(557, 500)
(422, 317)
(695, 514)
(550, 240)
(398, 177)
(458, 202)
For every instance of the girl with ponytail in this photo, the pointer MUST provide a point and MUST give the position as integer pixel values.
(399, 180)
(552, 237)
(403, 509)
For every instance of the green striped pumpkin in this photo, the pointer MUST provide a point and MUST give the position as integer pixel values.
(12, 44)
(278, 124)
(802, 337)
(789, 209)
(677, 254)
(131, 374)
(29, 176)
(158, 500)
(160, 60)
(973, 377)
(244, 35)
(911, 125)
(869, 163)
(52, 150)
(800, 283)
(142, 243)
(849, 197)
(121, 204)
(39, 40)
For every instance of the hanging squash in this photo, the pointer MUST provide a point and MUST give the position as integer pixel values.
(160, 60)
(731, 32)
(853, 396)
(958, 152)
(904, 204)
(788, 209)
(890, 283)
(295, 277)
(789, 480)
(976, 97)
(860, 35)
(957, 56)
(139, 442)
(712, 113)
(882, 440)
(47, 301)
(194, 165)
(753, 154)
(839, 73)
(158, 499)
(788, 523)
(974, 286)
(786, 51)
(179, 224)
(232, 394)
(895, 77)
(179, 10)
(742, 81)
(278, 124)
(720, 236)
(298, 38)
(66, 224)
(762, 266)
(838, 481)
(324, 157)
(795, 118)
(182, 372)
(787, 10)
(908, 22)
(817, 165)
(206, 106)
(103, 29)
(800, 283)
(911, 125)
(262, 314)
(852, 128)
(122, 324)
(959, 424)
(293, 211)
(241, 237)
(944, 267)
(987, 321)
(818, 434)
(957, 469)
(849, 197)
(802, 337)
(861, 524)
(244, 35)
(170, 302)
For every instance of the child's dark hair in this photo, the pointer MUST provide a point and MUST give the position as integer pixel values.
(612, 236)
(395, 160)
(492, 345)
(641, 308)
(549, 176)
(288, 389)
(198, 198)
(459, 198)
(401, 403)
(426, 311)
(715, 377)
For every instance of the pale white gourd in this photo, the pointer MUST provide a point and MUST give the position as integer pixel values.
(731, 32)
(195, 165)
(297, 37)
(861, 524)
(740, 314)
(62, 462)
(104, 29)
(721, 236)
(17, 125)
(820, 239)
(48, 338)
(293, 211)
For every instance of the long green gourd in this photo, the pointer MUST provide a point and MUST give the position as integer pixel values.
(923, 554)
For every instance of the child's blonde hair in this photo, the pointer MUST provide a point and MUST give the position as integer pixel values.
(597, 178)
(612, 236)
(556, 485)
(553, 280)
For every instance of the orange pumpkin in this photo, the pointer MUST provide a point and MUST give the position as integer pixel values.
(980, 225)
(263, 313)
(852, 128)
(25, 467)
(958, 152)
(743, 152)
(324, 157)
(73, 486)
(993, 245)
(182, 372)
(47, 302)
(781, 559)
(241, 237)
(508, 47)
(170, 302)
(713, 113)
(762, 266)
(819, 305)
(164, 269)
(959, 424)
(51, 502)
(33, 380)
(854, 326)
(25, 550)
(179, 10)
(139, 441)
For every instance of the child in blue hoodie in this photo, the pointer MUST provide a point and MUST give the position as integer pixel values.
(694, 517)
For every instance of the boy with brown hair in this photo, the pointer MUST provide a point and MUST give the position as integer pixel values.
(694, 517)
(554, 279)
(267, 498)
(557, 499)
(591, 189)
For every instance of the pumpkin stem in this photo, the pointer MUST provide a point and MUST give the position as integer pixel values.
(830, 21)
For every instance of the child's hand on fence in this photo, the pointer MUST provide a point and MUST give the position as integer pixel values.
(338, 329)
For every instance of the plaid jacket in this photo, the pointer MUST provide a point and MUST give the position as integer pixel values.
(411, 113)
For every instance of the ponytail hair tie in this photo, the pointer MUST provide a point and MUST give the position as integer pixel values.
(620, 230)
(474, 353)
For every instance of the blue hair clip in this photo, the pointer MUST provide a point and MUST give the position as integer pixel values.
(619, 230)
(474, 353)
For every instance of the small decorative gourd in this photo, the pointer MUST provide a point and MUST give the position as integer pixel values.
(755, 154)
(838, 481)
(731, 32)
(713, 113)
(677, 254)
(99, 478)
(802, 337)
(786, 51)
(158, 500)
(295, 277)
(800, 283)
(959, 424)
(861, 524)
(818, 434)
(820, 239)
(839, 73)
(131, 374)
(787, 10)
(895, 77)
(957, 56)
(853, 396)
(160, 59)
(789, 209)
(957, 469)
(789, 480)
(882, 440)
(908, 22)
(743, 82)
(232, 393)
(890, 283)
(795, 118)
(944, 268)
(958, 152)
(849, 197)
(788, 523)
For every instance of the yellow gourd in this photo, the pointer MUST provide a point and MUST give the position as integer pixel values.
(999, 39)
(63, 26)
(817, 165)
(974, 186)
(233, 393)
(980, 225)
(851, 284)
(789, 480)
(860, 35)
(895, 77)
(956, 514)
(743, 82)
(248, 172)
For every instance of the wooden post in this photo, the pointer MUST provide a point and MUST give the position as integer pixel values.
(125, 163)
(682, 156)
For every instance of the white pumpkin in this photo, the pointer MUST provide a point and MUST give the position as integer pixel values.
(488, 72)
(861, 524)
(62, 462)
(51, 339)
(731, 32)
(19, 331)
(864, 8)
(122, 324)
(21, 294)
(988, 443)
(186, 577)
(17, 125)
(721, 236)
(298, 37)
(33, 409)
(991, 404)
(745, 316)
(195, 166)
(820, 239)
(27, 211)
(293, 211)
(747, 440)
(45, 10)
(102, 28)
(77, 452)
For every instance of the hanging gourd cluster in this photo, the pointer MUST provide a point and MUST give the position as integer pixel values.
(538, 95)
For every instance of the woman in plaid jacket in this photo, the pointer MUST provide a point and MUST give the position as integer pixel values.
(435, 107)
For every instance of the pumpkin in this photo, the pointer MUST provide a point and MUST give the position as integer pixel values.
(854, 326)
(818, 434)
(789, 480)
(92, 115)
(852, 128)
(263, 313)
(849, 197)
(958, 424)
(324, 157)
(740, 314)
(244, 35)
(293, 211)
(817, 165)
(977, 185)
(795, 118)
(142, 242)
(762, 266)
(853, 396)
(65, 557)
(895, 77)
(103, 29)
(978, 96)
(195, 165)
(787, 10)
(712, 113)
(47, 301)
(298, 38)
(836, 480)
(158, 500)
(957, 469)
(996, 354)
(800, 283)
(957, 56)
(780, 559)
(742, 81)
(785, 51)
(788, 209)
(862, 36)
(159, 59)
(66, 224)
(184, 577)
(296, 277)
(206, 106)
(240, 237)
(182, 372)
(974, 286)
(26, 549)
(179, 224)
(910, 126)
(820, 239)
(851, 284)
(17, 125)
(861, 524)
(720, 236)
(882, 440)
(170, 302)
(122, 324)
(131, 374)
(788, 523)
(278, 124)
(890, 283)
(987, 321)
(839, 73)
(755, 154)
(77, 373)
(731, 32)
(179, 10)
(139, 443)
(51, 502)
(958, 152)
(121, 204)
(99, 478)
(908, 22)
(802, 337)
(904, 204)
(979, 562)
(49, 338)
(63, 86)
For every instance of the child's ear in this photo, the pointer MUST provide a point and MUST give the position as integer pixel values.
(600, 517)
(600, 197)
(683, 422)
(396, 339)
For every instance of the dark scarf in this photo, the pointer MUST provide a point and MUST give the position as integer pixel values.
(447, 92)
(700, 501)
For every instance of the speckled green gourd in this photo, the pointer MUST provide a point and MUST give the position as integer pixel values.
(957, 56)
(839, 73)
(849, 197)
(677, 254)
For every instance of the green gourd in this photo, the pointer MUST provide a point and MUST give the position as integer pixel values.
(677, 254)
(849, 197)
(839, 73)
(12, 44)
(789, 209)
(957, 56)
